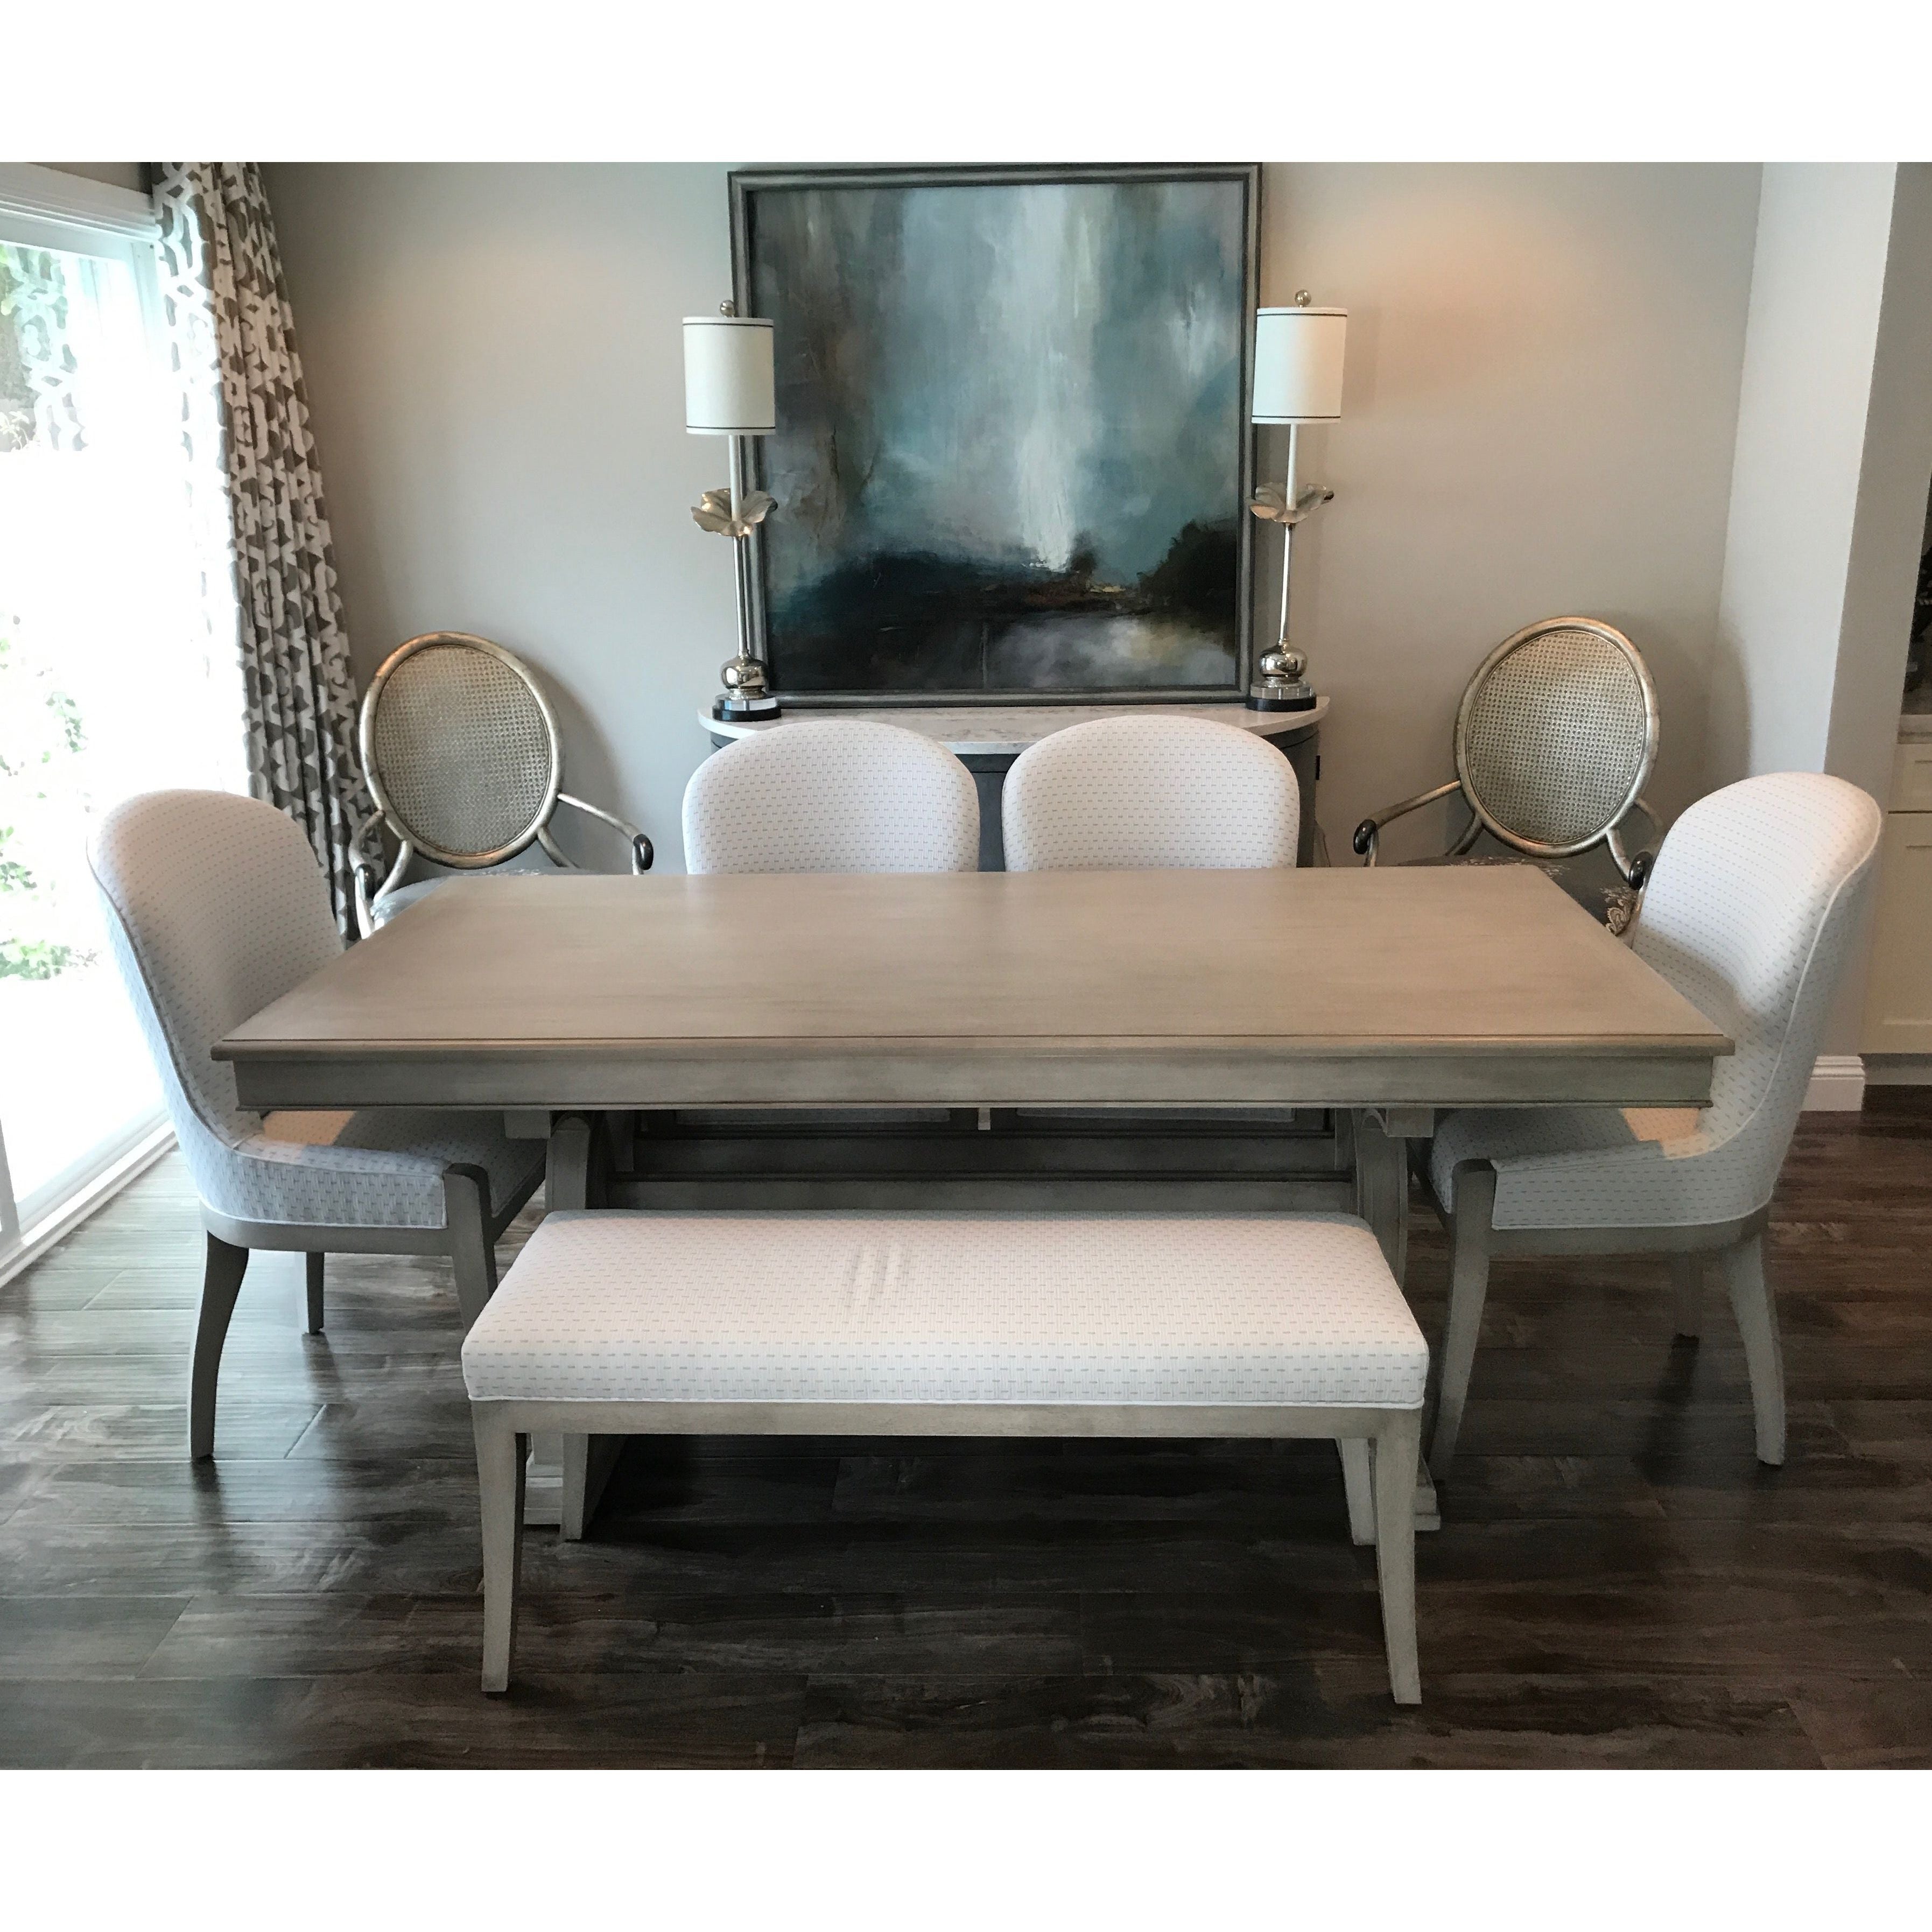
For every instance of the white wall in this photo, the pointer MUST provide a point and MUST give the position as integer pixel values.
(1823, 236)
(1895, 466)
(1541, 412)
(1834, 451)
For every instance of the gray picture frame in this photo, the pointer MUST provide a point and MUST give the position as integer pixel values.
(746, 184)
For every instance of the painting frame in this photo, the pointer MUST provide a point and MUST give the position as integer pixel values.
(745, 185)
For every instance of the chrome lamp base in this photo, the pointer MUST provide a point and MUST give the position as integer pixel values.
(746, 693)
(1282, 684)
(734, 710)
(1265, 696)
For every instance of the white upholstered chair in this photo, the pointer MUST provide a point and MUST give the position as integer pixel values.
(1158, 791)
(832, 795)
(215, 907)
(1755, 896)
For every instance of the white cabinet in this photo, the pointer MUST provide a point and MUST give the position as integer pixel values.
(1898, 993)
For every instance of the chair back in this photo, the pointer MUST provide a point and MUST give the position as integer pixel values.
(1122, 794)
(1556, 733)
(215, 906)
(1757, 893)
(461, 749)
(832, 795)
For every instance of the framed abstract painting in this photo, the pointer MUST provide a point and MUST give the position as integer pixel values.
(1013, 451)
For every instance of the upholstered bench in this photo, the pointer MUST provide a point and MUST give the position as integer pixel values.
(1187, 1325)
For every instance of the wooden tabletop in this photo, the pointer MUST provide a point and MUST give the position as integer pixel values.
(1427, 987)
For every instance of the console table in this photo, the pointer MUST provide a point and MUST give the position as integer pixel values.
(987, 738)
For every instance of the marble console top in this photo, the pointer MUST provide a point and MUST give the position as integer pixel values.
(1005, 730)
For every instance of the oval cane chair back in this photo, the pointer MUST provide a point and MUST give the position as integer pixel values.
(1556, 733)
(460, 748)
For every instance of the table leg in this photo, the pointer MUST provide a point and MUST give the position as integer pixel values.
(1382, 1188)
(1381, 1136)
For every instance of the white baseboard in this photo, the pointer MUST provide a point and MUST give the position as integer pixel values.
(1837, 1085)
(37, 1240)
(1898, 1069)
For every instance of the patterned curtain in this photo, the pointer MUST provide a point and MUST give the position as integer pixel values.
(233, 341)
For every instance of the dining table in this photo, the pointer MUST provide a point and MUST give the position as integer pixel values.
(1381, 995)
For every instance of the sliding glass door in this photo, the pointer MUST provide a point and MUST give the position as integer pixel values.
(113, 679)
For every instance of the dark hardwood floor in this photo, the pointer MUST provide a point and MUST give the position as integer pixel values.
(1616, 1582)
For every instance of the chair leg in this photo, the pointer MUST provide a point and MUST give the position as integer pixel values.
(1360, 1487)
(500, 1452)
(466, 1213)
(1398, 1446)
(1687, 1277)
(220, 1283)
(1469, 1287)
(570, 1181)
(315, 1262)
(1764, 1353)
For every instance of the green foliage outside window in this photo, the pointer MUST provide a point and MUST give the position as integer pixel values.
(41, 731)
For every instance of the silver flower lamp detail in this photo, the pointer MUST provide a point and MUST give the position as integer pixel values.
(729, 390)
(1298, 354)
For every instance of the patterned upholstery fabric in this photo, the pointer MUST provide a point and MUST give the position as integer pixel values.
(1757, 892)
(215, 907)
(949, 1308)
(832, 795)
(1122, 792)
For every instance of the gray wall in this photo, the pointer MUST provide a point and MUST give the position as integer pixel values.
(1539, 412)
(132, 175)
(494, 367)
(1540, 417)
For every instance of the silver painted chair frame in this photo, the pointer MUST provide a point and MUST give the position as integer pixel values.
(1634, 869)
(472, 1225)
(1474, 1238)
(1388, 1439)
(372, 885)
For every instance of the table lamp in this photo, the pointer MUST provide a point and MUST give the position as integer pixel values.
(1297, 379)
(729, 391)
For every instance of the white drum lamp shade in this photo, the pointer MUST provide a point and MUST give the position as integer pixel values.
(728, 389)
(1298, 365)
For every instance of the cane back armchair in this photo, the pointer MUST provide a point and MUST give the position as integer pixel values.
(1555, 737)
(465, 762)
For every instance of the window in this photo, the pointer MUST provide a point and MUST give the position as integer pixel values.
(114, 678)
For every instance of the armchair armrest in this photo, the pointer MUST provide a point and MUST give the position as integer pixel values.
(642, 850)
(1636, 872)
(1369, 830)
(366, 867)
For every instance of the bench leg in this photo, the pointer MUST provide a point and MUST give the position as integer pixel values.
(1356, 1481)
(500, 1451)
(1398, 1449)
(315, 1263)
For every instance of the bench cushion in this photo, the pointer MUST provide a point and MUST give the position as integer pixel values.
(1225, 1309)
